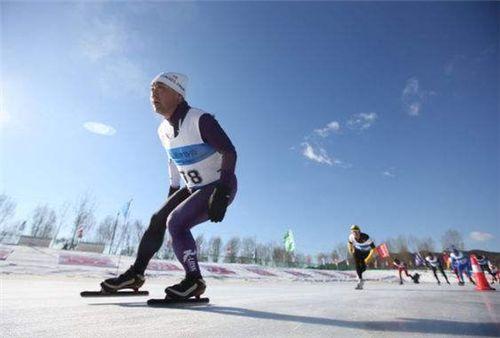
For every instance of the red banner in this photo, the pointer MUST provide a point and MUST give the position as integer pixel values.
(79, 232)
(383, 251)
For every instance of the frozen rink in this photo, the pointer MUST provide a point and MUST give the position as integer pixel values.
(50, 306)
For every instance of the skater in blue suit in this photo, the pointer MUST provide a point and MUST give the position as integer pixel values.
(461, 263)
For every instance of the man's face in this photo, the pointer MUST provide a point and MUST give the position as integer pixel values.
(164, 99)
(356, 233)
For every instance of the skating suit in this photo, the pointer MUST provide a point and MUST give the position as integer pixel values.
(461, 263)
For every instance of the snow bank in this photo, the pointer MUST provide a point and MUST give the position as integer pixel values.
(46, 261)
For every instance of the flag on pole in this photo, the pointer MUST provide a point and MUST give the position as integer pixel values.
(418, 259)
(383, 251)
(289, 241)
(126, 209)
(79, 231)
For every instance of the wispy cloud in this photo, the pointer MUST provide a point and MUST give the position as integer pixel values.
(342, 164)
(99, 128)
(314, 146)
(103, 39)
(461, 64)
(389, 173)
(362, 121)
(105, 43)
(333, 126)
(480, 236)
(487, 52)
(318, 155)
(414, 96)
(129, 75)
(451, 66)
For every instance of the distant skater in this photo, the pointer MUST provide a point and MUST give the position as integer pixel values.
(461, 263)
(434, 263)
(362, 249)
(402, 267)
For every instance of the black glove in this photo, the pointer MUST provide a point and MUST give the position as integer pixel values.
(217, 203)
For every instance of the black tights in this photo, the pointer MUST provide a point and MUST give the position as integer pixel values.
(434, 270)
(152, 239)
(359, 260)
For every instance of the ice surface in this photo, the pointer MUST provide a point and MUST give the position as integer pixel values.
(40, 298)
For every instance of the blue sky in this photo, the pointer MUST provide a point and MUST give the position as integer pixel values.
(380, 114)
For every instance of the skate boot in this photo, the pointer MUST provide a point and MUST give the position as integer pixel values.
(439, 283)
(359, 286)
(187, 288)
(127, 280)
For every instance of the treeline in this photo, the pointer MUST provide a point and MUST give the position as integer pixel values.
(241, 250)
(121, 235)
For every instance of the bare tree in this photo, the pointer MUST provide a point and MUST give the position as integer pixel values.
(264, 253)
(7, 210)
(322, 258)
(400, 245)
(247, 250)
(425, 244)
(342, 252)
(279, 255)
(138, 228)
(232, 250)
(105, 230)
(61, 220)
(123, 234)
(335, 258)
(43, 222)
(300, 260)
(201, 248)
(215, 245)
(127, 249)
(133, 236)
(168, 249)
(452, 238)
(391, 244)
(12, 230)
(84, 216)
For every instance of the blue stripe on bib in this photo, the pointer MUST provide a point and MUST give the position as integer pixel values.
(191, 154)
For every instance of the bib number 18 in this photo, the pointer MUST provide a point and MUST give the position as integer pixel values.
(192, 175)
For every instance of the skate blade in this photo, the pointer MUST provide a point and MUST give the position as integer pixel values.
(172, 301)
(113, 294)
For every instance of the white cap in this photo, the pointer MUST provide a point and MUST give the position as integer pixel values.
(176, 81)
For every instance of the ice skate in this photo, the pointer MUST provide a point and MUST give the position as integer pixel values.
(187, 288)
(127, 280)
(359, 286)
